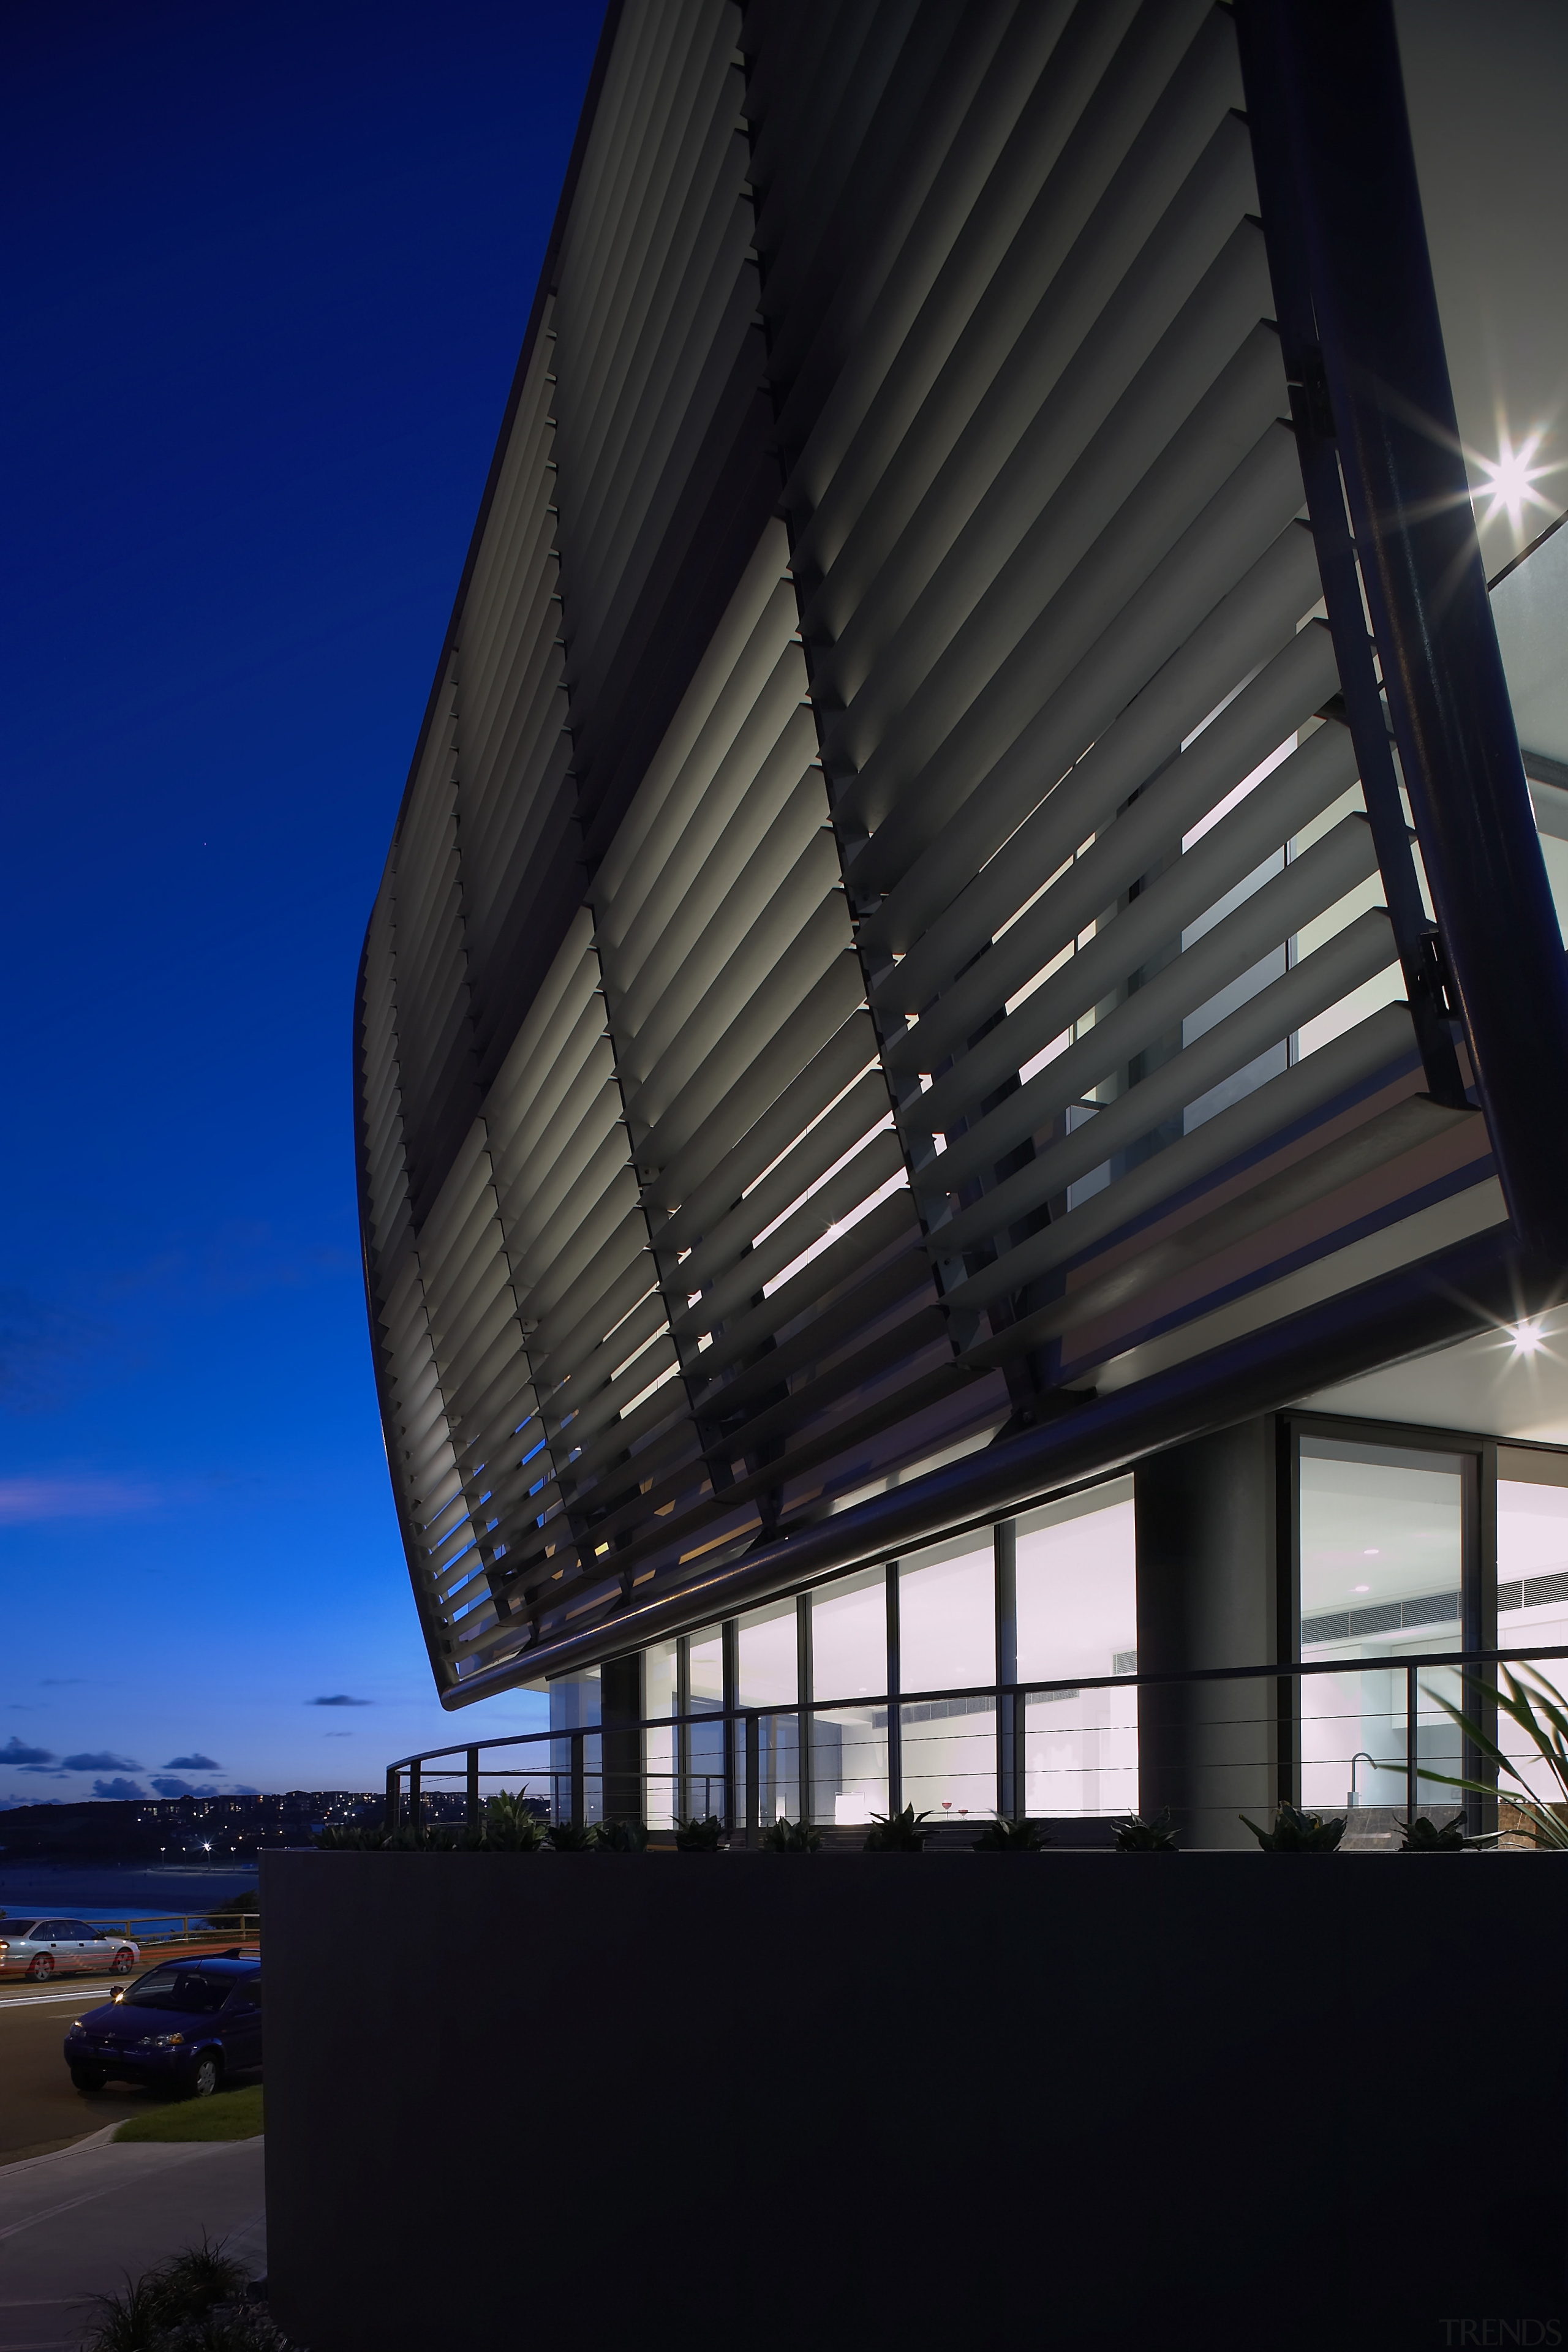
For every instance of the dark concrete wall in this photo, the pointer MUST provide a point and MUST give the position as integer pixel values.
(835, 2101)
(1207, 1597)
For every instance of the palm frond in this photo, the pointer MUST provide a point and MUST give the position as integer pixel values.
(1551, 1745)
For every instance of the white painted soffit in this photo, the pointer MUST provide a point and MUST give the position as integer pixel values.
(1488, 1384)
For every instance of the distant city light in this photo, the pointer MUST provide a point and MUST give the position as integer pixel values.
(1526, 1339)
(1511, 477)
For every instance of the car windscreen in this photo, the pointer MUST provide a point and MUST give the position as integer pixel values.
(181, 1989)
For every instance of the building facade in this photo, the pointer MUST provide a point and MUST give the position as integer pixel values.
(961, 1058)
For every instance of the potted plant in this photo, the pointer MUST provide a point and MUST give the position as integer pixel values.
(1156, 1835)
(897, 1833)
(1523, 1693)
(1423, 1836)
(620, 1837)
(698, 1836)
(790, 1837)
(1297, 1832)
(570, 1837)
(512, 1825)
(1003, 1836)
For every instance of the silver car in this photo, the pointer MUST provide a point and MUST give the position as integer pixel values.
(46, 1948)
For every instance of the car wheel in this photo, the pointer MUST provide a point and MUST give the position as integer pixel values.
(204, 2076)
(123, 1963)
(40, 1970)
(88, 2078)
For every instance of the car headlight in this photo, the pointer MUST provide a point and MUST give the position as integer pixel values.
(159, 2041)
(77, 2027)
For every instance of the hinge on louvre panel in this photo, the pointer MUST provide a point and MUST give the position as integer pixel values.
(1310, 404)
(1436, 977)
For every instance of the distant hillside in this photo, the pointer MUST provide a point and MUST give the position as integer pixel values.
(128, 1829)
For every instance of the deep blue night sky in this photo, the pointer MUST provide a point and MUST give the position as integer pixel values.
(269, 266)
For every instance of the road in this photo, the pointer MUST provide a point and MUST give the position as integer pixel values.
(40, 2107)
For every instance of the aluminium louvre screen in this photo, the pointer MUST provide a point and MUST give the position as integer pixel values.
(976, 963)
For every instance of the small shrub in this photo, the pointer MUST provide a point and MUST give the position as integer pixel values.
(354, 1837)
(1003, 1836)
(1297, 1832)
(199, 2277)
(570, 1837)
(898, 1833)
(791, 1837)
(620, 1837)
(242, 1910)
(698, 1836)
(512, 1825)
(409, 1837)
(1423, 1836)
(182, 2303)
(1136, 1835)
(132, 2322)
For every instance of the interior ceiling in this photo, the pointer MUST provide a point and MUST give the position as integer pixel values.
(1487, 1384)
(1530, 610)
(1485, 87)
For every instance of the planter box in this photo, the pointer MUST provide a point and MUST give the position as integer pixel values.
(1108, 2100)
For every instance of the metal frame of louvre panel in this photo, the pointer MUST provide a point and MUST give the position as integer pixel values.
(782, 1340)
(905, 926)
(1138, 988)
(483, 809)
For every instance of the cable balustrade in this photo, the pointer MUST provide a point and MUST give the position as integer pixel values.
(1070, 1753)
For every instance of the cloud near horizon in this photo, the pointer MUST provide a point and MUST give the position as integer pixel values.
(26, 1501)
(168, 1785)
(100, 1759)
(198, 1763)
(17, 1751)
(120, 1787)
(340, 1698)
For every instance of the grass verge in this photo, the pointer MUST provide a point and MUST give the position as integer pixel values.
(227, 2114)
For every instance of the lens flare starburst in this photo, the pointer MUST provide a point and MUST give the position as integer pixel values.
(1510, 479)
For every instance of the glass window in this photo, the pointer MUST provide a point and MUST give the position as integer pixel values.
(947, 1636)
(848, 1658)
(849, 1636)
(1532, 1591)
(766, 1645)
(705, 1742)
(1382, 1576)
(179, 1989)
(947, 1616)
(1077, 1588)
(661, 1683)
(574, 1704)
(705, 1655)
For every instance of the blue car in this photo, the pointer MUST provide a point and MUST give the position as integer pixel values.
(186, 2027)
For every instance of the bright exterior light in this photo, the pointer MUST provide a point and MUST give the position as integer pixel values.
(1526, 1339)
(1360, 1588)
(1371, 1554)
(1511, 477)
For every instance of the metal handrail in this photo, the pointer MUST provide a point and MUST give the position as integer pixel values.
(747, 1720)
